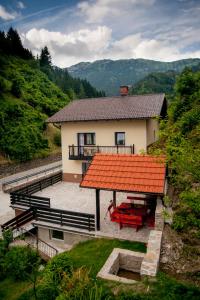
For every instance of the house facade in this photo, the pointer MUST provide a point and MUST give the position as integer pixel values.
(112, 125)
(100, 138)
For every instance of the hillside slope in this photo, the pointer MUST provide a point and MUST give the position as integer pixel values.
(108, 75)
(27, 97)
(155, 83)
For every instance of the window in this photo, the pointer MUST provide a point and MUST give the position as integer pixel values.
(89, 138)
(119, 138)
(86, 139)
(56, 234)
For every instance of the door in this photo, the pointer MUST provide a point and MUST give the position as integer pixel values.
(81, 143)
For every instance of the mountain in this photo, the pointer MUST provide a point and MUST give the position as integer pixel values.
(155, 83)
(108, 75)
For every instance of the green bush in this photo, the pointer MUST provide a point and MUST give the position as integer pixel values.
(57, 267)
(3, 250)
(8, 237)
(5, 85)
(19, 262)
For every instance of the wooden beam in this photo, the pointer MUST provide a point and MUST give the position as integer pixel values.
(114, 198)
(97, 209)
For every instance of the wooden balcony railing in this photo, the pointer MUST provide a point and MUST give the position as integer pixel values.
(87, 152)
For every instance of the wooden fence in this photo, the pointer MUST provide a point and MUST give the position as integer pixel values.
(55, 216)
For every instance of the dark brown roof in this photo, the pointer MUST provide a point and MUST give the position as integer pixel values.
(111, 108)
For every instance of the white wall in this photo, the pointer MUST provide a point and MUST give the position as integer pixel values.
(152, 131)
(135, 133)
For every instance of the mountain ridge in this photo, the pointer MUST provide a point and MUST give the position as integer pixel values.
(109, 74)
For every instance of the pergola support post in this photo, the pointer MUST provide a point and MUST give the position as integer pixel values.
(97, 209)
(114, 198)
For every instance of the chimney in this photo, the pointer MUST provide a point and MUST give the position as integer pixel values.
(124, 90)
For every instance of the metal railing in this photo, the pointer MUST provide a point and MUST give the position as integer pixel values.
(37, 243)
(6, 185)
(87, 152)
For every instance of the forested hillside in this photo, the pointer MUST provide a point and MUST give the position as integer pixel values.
(108, 75)
(180, 142)
(155, 83)
(30, 91)
(182, 137)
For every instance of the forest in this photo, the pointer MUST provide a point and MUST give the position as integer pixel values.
(31, 89)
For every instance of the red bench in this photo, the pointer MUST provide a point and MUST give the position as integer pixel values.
(126, 219)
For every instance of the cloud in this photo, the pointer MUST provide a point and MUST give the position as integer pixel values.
(96, 11)
(97, 43)
(67, 49)
(5, 15)
(20, 5)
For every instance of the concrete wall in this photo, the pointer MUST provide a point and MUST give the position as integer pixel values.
(135, 133)
(70, 239)
(152, 131)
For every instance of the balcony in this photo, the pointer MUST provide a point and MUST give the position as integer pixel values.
(87, 152)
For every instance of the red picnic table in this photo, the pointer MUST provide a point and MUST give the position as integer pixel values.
(128, 215)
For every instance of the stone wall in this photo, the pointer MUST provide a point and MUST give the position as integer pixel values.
(123, 259)
(150, 262)
(130, 262)
(159, 216)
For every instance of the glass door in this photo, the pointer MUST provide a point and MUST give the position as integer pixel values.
(81, 143)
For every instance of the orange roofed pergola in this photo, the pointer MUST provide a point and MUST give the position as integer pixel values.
(125, 173)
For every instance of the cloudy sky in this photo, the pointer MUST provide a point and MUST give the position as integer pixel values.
(89, 30)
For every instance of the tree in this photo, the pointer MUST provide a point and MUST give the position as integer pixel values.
(14, 45)
(45, 57)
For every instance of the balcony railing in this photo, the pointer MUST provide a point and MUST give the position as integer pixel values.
(87, 152)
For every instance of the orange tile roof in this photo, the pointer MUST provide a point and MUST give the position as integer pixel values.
(134, 173)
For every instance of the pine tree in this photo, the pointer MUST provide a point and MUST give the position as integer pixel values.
(14, 45)
(45, 57)
(3, 42)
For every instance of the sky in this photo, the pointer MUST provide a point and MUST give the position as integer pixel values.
(89, 30)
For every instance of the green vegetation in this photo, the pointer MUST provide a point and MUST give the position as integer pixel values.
(72, 276)
(23, 110)
(108, 75)
(155, 83)
(93, 254)
(181, 140)
(12, 290)
(30, 91)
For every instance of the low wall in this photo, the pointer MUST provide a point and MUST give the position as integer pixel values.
(121, 259)
(159, 216)
(150, 263)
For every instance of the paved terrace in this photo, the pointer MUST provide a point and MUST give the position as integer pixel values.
(69, 196)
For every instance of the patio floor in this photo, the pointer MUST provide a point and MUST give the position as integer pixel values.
(69, 196)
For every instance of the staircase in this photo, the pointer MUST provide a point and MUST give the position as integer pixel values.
(45, 250)
(24, 218)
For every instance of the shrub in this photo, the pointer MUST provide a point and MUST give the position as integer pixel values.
(79, 286)
(5, 85)
(56, 268)
(3, 250)
(19, 262)
(8, 237)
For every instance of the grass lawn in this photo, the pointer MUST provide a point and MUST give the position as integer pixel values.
(93, 253)
(11, 289)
